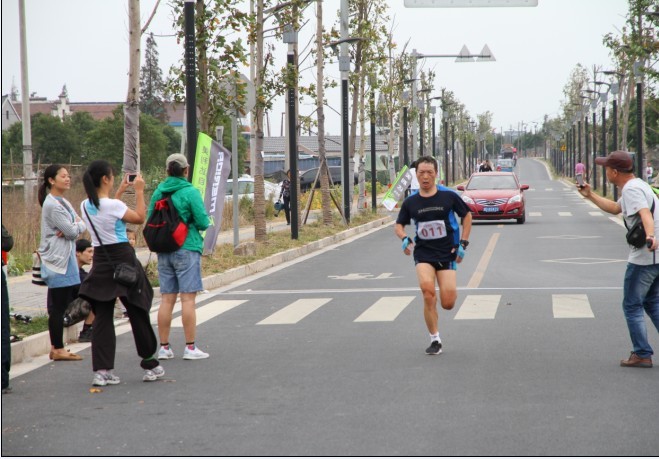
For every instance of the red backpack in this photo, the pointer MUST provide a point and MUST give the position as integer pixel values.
(165, 231)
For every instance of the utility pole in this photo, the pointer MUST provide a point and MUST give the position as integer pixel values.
(28, 187)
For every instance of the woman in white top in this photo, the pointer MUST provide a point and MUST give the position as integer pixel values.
(106, 219)
(60, 227)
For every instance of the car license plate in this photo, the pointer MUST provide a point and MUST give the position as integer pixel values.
(490, 209)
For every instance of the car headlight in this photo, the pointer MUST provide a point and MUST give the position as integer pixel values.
(514, 199)
(467, 199)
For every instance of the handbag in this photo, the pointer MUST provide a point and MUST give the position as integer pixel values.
(36, 269)
(124, 273)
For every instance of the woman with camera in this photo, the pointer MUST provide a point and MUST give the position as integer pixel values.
(106, 219)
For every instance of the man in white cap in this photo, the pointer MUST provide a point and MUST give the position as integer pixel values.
(638, 203)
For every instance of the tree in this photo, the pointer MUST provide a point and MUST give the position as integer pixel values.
(152, 86)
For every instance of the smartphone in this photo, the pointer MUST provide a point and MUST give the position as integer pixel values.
(131, 178)
(580, 180)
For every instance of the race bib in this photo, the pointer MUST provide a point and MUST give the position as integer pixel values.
(435, 229)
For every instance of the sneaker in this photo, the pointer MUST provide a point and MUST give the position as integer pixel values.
(635, 361)
(165, 353)
(194, 354)
(435, 348)
(85, 336)
(103, 379)
(154, 373)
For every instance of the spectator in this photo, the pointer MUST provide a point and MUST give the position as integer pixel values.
(285, 196)
(60, 227)
(579, 168)
(84, 255)
(7, 245)
(637, 203)
(179, 272)
(486, 167)
(107, 220)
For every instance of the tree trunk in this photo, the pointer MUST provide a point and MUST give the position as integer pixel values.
(260, 233)
(131, 161)
(320, 95)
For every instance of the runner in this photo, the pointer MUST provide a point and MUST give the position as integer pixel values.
(437, 245)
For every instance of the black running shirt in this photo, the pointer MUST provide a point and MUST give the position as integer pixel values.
(437, 229)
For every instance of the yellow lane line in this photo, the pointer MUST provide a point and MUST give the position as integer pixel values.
(477, 277)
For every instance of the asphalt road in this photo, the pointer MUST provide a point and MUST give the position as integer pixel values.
(325, 356)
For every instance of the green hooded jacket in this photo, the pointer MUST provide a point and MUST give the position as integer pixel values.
(190, 206)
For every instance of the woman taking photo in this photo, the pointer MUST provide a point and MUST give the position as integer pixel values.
(179, 272)
(106, 219)
(60, 227)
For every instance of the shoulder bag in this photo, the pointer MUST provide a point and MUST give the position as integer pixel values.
(124, 273)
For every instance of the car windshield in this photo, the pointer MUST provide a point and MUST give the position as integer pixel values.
(506, 162)
(492, 182)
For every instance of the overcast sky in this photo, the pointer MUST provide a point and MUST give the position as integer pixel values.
(84, 44)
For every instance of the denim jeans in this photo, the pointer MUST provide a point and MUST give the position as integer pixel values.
(641, 293)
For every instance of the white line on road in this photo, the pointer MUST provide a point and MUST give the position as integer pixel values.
(535, 214)
(294, 312)
(320, 291)
(386, 309)
(209, 311)
(478, 307)
(565, 214)
(571, 306)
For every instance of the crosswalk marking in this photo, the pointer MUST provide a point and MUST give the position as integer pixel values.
(478, 307)
(565, 214)
(535, 214)
(294, 312)
(596, 214)
(386, 309)
(571, 306)
(210, 310)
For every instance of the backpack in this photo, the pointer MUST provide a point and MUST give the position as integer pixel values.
(165, 231)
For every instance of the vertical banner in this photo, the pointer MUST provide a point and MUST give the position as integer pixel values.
(211, 171)
(397, 190)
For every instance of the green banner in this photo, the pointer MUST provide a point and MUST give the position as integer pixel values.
(397, 190)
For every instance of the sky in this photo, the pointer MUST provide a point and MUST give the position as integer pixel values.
(84, 44)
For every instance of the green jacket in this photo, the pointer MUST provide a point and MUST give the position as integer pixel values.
(190, 206)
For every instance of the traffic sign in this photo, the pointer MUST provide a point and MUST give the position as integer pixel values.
(563, 148)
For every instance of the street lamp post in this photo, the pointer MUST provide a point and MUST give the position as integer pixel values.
(433, 110)
(615, 88)
(373, 159)
(406, 159)
(290, 38)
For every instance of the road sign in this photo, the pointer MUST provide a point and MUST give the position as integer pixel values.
(563, 148)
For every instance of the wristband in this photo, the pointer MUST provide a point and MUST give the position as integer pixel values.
(461, 251)
(406, 242)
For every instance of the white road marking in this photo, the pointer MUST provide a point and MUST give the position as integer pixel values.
(596, 214)
(294, 312)
(210, 310)
(535, 214)
(479, 272)
(571, 306)
(565, 214)
(386, 309)
(478, 307)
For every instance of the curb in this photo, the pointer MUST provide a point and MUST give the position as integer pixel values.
(39, 344)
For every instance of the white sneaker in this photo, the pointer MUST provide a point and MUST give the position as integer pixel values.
(103, 379)
(153, 374)
(194, 354)
(165, 354)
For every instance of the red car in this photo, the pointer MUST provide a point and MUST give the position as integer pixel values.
(495, 196)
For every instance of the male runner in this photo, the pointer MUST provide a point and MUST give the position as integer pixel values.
(437, 244)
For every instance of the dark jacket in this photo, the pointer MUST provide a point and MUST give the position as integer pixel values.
(100, 285)
(7, 243)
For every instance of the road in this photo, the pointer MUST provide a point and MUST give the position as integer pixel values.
(325, 356)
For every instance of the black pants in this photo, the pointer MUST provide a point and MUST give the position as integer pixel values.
(6, 345)
(58, 300)
(287, 208)
(104, 340)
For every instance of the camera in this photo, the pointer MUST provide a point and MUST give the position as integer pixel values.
(131, 178)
